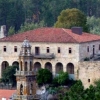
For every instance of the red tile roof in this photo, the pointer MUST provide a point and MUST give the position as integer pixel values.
(56, 35)
(6, 93)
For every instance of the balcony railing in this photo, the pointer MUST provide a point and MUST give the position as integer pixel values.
(45, 56)
(24, 73)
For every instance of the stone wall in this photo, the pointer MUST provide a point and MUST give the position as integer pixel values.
(83, 53)
(64, 57)
(89, 71)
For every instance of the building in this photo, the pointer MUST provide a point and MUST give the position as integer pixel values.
(56, 49)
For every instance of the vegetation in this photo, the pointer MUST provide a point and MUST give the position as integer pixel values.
(8, 75)
(94, 24)
(70, 18)
(35, 11)
(44, 76)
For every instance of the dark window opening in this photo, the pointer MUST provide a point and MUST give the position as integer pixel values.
(37, 50)
(4, 49)
(25, 66)
(15, 49)
(70, 50)
(88, 49)
(58, 49)
(93, 49)
(89, 80)
(48, 50)
(99, 46)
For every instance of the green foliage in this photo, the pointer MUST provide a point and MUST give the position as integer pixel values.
(94, 24)
(44, 76)
(11, 31)
(30, 26)
(63, 78)
(46, 10)
(71, 17)
(8, 75)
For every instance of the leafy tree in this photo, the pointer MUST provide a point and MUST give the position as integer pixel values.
(30, 26)
(75, 92)
(63, 78)
(44, 76)
(11, 31)
(8, 75)
(71, 17)
(94, 24)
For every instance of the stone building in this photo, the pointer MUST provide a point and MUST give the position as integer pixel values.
(56, 49)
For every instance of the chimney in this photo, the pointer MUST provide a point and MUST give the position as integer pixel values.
(3, 31)
(77, 30)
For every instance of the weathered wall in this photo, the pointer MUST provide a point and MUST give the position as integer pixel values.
(89, 70)
(83, 49)
(64, 57)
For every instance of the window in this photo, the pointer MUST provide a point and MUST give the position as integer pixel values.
(99, 46)
(70, 50)
(89, 80)
(88, 49)
(15, 48)
(59, 50)
(37, 50)
(4, 49)
(48, 50)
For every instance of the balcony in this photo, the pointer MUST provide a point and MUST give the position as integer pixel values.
(26, 73)
(44, 56)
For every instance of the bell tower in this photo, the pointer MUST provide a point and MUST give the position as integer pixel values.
(26, 82)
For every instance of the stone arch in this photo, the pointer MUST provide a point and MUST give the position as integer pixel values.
(30, 65)
(15, 63)
(70, 68)
(37, 66)
(59, 67)
(48, 66)
(26, 66)
(4, 65)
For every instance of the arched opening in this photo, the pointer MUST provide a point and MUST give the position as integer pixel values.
(25, 66)
(21, 66)
(21, 89)
(30, 66)
(37, 66)
(4, 64)
(31, 89)
(48, 66)
(15, 63)
(70, 70)
(59, 67)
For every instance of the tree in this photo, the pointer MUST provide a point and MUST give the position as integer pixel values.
(94, 24)
(44, 76)
(63, 78)
(30, 26)
(11, 31)
(71, 17)
(8, 75)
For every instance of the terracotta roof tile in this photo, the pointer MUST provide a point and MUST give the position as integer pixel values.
(56, 35)
(6, 93)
